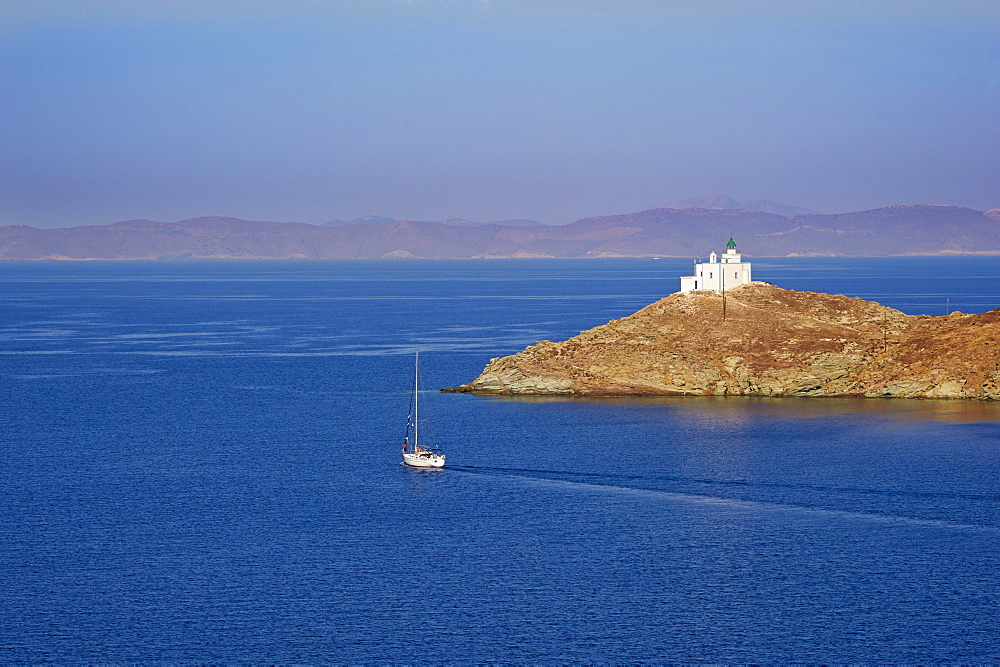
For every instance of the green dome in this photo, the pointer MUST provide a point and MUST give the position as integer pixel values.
(732, 243)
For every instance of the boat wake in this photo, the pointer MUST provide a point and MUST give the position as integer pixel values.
(633, 484)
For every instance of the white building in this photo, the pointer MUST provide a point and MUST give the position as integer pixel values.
(719, 272)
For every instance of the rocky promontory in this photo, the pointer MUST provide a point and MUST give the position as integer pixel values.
(769, 342)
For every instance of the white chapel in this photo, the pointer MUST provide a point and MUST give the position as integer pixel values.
(719, 273)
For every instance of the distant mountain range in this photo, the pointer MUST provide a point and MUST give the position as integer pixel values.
(454, 222)
(682, 232)
(722, 202)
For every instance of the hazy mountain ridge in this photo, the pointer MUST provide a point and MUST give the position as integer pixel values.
(691, 232)
(722, 202)
(454, 222)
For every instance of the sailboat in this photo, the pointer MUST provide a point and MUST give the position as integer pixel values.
(413, 453)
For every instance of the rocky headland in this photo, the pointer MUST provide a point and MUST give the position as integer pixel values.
(772, 342)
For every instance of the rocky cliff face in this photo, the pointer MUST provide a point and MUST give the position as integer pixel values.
(772, 342)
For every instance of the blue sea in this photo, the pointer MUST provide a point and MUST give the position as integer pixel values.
(199, 463)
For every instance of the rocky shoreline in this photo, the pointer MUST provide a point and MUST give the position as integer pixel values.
(772, 342)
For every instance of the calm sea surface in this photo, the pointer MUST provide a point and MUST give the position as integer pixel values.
(199, 462)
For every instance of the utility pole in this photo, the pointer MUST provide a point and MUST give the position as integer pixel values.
(722, 273)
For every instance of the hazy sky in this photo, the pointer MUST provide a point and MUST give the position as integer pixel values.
(490, 109)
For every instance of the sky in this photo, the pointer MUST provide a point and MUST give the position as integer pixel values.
(551, 110)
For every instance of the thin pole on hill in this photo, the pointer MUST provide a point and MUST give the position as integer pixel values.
(722, 272)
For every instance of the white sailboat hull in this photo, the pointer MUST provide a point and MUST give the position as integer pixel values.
(424, 460)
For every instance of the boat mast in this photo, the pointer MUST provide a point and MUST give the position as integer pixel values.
(416, 396)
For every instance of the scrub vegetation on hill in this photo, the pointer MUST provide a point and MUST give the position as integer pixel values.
(770, 342)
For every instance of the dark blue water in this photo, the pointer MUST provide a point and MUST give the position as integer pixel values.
(199, 463)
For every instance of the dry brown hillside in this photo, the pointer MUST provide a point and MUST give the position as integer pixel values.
(772, 342)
